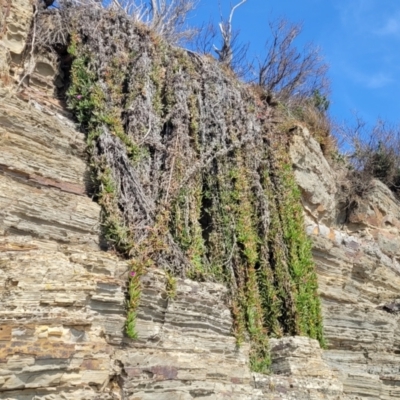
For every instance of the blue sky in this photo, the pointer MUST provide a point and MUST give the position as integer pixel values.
(360, 41)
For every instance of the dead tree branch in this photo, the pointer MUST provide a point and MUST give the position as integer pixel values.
(287, 71)
(225, 53)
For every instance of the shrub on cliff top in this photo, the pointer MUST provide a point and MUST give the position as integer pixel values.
(373, 153)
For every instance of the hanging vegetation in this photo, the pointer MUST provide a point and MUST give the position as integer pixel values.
(191, 177)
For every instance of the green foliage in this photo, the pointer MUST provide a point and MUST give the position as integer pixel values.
(242, 205)
(300, 262)
(187, 231)
(382, 162)
(171, 285)
(134, 290)
(130, 324)
(321, 102)
(114, 228)
(83, 96)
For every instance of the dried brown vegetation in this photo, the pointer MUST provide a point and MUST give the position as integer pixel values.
(372, 153)
(305, 111)
(189, 175)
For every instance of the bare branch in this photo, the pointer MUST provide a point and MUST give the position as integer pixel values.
(225, 54)
(166, 17)
(204, 41)
(233, 11)
(286, 71)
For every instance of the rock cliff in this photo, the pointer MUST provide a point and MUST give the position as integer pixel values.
(358, 273)
(63, 295)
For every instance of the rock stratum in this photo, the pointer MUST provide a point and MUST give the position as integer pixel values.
(63, 297)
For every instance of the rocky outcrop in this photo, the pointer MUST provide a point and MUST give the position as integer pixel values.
(16, 19)
(15, 23)
(16, 61)
(186, 350)
(359, 275)
(63, 296)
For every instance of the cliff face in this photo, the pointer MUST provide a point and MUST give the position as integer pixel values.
(358, 272)
(63, 298)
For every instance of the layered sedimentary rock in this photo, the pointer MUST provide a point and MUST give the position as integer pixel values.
(15, 23)
(63, 311)
(357, 259)
(63, 297)
(16, 61)
(63, 314)
(15, 19)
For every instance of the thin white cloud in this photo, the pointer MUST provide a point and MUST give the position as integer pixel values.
(371, 80)
(376, 81)
(390, 27)
(355, 13)
(370, 17)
